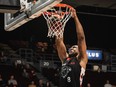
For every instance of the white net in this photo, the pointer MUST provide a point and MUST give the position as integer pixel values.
(56, 20)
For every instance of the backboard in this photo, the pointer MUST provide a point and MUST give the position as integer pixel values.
(14, 20)
(11, 6)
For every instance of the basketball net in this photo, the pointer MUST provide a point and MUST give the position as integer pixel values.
(56, 19)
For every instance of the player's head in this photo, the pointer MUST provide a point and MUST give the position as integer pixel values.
(73, 51)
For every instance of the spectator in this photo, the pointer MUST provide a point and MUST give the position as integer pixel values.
(48, 84)
(88, 85)
(12, 81)
(1, 81)
(41, 83)
(25, 74)
(32, 75)
(32, 84)
(107, 84)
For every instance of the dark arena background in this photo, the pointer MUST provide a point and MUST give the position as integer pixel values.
(29, 55)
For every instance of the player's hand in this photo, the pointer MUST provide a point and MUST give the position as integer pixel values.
(73, 13)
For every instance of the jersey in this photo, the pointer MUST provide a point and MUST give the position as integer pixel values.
(72, 73)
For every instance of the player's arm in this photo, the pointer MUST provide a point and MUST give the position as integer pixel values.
(81, 41)
(61, 48)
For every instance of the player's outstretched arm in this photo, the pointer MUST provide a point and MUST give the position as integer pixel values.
(61, 48)
(81, 40)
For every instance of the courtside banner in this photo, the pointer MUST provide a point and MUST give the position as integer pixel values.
(95, 54)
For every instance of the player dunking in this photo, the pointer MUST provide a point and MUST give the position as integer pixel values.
(74, 62)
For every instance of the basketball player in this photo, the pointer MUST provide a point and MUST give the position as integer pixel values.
(74, 61)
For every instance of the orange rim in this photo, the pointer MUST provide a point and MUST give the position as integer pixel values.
(63, 5)
(52, 13)
(59, 5)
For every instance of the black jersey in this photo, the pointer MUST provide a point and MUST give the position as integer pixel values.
(70, 73)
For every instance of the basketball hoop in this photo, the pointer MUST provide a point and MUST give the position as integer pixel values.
(56, 19)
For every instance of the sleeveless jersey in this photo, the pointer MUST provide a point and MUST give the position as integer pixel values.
(72, 73)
